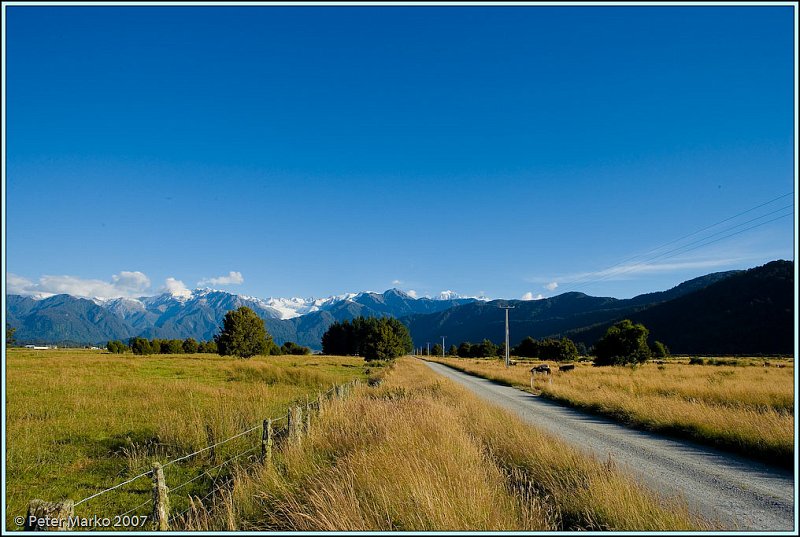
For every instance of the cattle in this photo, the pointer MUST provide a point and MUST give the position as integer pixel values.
(566, 367)
(543, 368)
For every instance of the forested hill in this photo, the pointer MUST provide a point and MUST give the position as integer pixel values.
(735, 312)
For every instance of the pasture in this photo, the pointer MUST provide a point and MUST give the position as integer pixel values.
(80, 421)
(747, 407)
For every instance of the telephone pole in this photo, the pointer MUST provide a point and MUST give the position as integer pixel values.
(443, 345)
(508, 358)
(429, 348)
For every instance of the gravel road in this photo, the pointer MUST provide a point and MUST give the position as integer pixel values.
(739, 493)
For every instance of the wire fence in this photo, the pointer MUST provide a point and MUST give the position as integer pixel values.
(293, 429)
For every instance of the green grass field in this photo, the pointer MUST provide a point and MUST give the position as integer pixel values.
(80, 421)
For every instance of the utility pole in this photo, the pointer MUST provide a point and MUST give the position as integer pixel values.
(443, 345)
(508, 358)
(429, 348)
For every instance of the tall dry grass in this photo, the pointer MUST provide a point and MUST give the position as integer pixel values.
(420, 453)
(749, 409)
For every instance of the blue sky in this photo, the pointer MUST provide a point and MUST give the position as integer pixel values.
(309, 151)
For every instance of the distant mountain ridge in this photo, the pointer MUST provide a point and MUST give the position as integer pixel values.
(74, 320)
(735, 312)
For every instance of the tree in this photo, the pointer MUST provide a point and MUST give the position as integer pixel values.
(10, 341)
(172, 346)
(452, 351)
(243, 334)
(140, 345)
(527, 348)
(623, 343)
(659, 350)
(385, 339)
(370, 337)
(485, 349)
(436, 350)
(190, 346)
(209, 347)
(291, 347)
(116, 347)
(155, 346)
(465, 349)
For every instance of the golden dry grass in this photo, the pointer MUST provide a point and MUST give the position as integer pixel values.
(81, 421)
(748, 408)
(420, 453)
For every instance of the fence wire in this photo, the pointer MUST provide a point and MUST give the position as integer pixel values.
(184, 457)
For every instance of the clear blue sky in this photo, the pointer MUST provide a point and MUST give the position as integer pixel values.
(320, 150)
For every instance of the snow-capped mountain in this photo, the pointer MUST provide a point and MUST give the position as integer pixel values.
(199, 314)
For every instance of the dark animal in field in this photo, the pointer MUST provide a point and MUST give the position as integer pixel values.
(567, 367)
(544, 368)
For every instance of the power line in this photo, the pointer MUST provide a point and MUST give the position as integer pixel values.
(588, 278)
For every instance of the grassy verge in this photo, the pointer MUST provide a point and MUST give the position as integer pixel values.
(420, 453)
(746, 409)
(81, 421)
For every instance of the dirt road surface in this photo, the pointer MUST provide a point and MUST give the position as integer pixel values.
(739, 493)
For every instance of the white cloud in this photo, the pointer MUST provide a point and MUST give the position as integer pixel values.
(133, 281)
(396, 282)
(233, 278)
(124, 284)
(551, 286)
(176, 287)
(411, 293)
(529, 296)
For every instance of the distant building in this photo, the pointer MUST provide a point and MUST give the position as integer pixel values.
(41, 347)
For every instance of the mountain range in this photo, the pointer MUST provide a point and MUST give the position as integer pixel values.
(733, 312)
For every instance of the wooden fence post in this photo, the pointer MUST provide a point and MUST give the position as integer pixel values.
(266, 441)
(295, 422)
(308, 415)
(49, 516)
(160, 500)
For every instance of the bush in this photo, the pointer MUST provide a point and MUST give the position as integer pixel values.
(116, 346)
(696, 361)
(291, 347)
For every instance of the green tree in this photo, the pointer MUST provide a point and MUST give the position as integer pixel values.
(623, 343)
(452, 351)
(190, 346)
(155, 346)
(370, 337)
(10, 341)
(465, 349)
(291, 347)
(385, 339)
(527, 348)
(484, 349)
(659, 350)
(209, 347)
(140, 345)
(172, 346)
(436, 350)
(243, 334)
(116, 346)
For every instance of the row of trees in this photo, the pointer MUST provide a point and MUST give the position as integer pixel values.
(623, 343)
(242, 334)
(373, 338)
(140, 345)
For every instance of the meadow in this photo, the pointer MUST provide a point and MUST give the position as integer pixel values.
(413, 452)
(80, 421)
(420, 453)
(745, 404)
